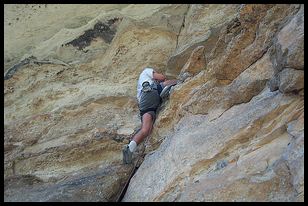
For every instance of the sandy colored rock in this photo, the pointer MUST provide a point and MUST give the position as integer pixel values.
(196, 62)
(201, 27)
(79, 104)
(231, 130)
(27, 25)
(261, 146)
(253, 151)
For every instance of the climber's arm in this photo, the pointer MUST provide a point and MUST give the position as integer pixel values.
(159, 77)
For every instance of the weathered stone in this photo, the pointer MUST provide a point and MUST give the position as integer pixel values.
(291, 80)
(263, 138)
(225, 133)
(37, 24)
(273, 83)
(196, 62)
(229, 59)
(296, 127)
(202, 25)
(200, 20)
(252, 143)
(291, 38)
(78, 99)
(294, 155)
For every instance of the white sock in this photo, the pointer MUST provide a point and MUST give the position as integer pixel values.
(132, 146)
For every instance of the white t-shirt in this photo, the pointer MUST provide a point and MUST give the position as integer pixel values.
(146, 75)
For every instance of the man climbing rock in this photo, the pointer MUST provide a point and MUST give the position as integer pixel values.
(151, 85)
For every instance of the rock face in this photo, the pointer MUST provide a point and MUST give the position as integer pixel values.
(233, 130)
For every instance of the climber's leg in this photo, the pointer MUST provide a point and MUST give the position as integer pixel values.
(147, 124)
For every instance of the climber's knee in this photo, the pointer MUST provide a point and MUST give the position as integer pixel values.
(147, 123)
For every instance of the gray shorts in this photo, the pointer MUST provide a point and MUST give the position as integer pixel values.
(150, 103)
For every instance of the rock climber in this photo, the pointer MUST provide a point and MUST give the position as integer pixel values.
(151, 85)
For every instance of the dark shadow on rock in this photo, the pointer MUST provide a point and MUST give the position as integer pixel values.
(106, 31)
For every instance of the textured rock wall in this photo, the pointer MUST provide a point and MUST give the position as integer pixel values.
(225, 133)
(232, 131)
(69, 103)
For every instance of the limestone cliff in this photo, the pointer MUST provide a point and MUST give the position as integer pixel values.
(233, 130)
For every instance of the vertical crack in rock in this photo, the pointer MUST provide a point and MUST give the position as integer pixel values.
(182, 26)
